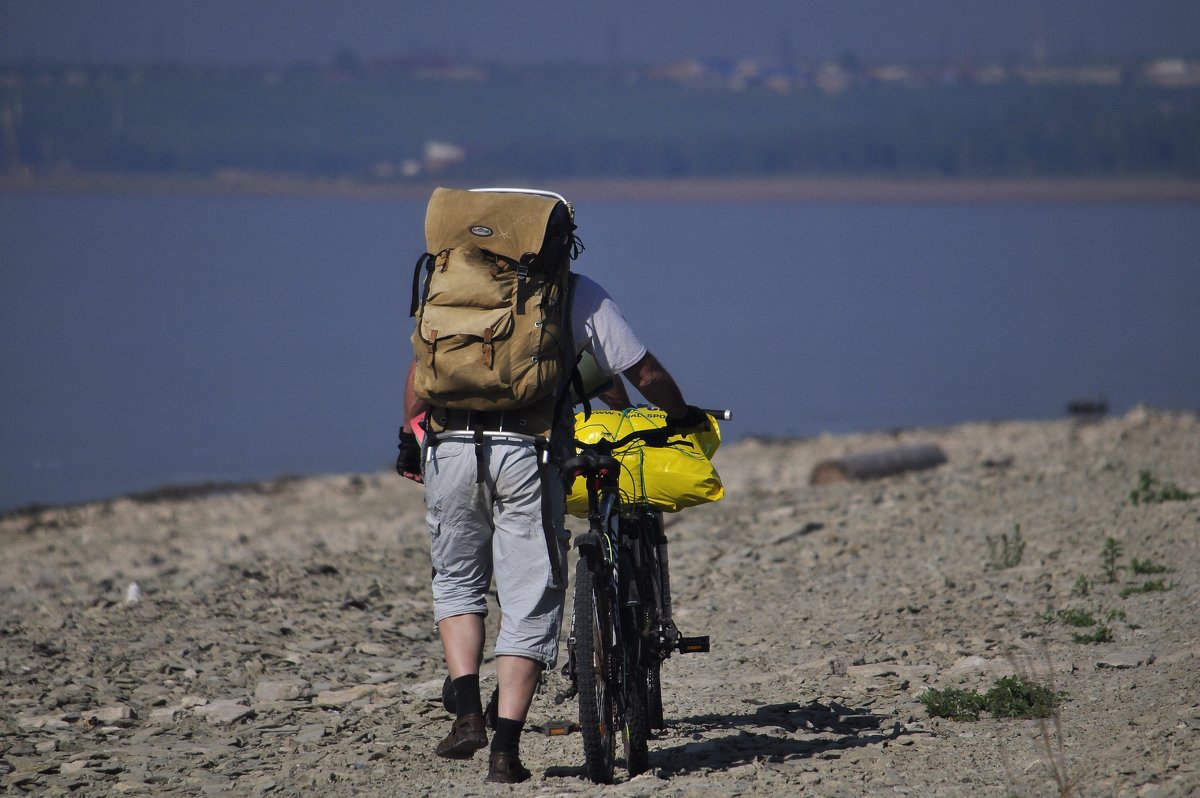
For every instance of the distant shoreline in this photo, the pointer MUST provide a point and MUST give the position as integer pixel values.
(785, 189)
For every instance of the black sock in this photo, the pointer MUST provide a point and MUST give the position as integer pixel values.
(466, 694)
(507, 735)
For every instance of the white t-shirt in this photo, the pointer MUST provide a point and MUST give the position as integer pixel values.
(599, 327)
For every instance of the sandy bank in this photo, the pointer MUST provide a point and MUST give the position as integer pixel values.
(281, 643)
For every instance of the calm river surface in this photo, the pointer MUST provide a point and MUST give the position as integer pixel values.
(151, 340)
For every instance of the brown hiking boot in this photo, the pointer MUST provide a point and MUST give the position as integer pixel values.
(505, 768)
(467, 735)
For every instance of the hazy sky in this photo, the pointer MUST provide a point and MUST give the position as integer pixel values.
(596, 31)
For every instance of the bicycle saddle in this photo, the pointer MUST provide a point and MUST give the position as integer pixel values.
(588, 463)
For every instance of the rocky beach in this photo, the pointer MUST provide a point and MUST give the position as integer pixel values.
(277, 638)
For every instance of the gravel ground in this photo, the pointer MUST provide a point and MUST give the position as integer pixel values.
(276, 639)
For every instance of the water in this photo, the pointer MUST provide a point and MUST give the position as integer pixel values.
(162, 340)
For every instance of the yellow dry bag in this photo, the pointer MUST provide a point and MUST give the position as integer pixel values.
(671, 477)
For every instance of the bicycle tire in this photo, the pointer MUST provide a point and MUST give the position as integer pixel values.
(593, 637)
(654, 705)
(637, 721)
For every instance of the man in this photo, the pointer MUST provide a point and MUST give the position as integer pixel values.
(485, 507)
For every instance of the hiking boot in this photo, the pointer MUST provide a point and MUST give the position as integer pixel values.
(467, 735)
(450, 703)
(506, 768)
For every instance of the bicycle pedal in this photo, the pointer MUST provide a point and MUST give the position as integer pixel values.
(693, 645)
(558, 728)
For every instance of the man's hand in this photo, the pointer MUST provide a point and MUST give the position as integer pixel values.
(408, 463)
(695, 420)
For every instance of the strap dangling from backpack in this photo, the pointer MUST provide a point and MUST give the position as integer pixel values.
(425, 261)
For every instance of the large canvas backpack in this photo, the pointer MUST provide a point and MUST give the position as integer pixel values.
(490, 297)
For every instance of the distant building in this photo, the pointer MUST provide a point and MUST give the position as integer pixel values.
(1173, 72)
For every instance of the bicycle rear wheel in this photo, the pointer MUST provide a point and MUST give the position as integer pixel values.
(594, 641)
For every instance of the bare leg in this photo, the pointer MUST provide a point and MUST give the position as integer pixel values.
(518, 677)
(462, 643)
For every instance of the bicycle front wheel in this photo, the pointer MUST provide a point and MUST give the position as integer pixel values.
(594, 642)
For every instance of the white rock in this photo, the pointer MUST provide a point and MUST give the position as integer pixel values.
(339, 698)
(225, 711)
(374, 649)
(42, 722)
(113, 714)
(278, 691)
(1126, 659)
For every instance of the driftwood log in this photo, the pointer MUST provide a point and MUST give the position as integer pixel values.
(877, 463)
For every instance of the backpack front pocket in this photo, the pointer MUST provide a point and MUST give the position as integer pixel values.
(463, 351)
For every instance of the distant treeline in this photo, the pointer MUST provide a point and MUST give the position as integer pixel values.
(579, 124)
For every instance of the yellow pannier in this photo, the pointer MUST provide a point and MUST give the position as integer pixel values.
(671, 477)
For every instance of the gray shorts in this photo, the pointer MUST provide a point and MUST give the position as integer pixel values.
(493, 527)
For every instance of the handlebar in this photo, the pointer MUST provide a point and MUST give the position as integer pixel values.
(658, 436)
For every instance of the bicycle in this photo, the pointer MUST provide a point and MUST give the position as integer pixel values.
(621, 625)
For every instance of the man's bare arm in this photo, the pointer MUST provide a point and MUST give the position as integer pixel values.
(615, 395)
(657, 385)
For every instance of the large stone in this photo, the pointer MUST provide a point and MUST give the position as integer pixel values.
(51, 721)
(278, 691)
(1130, 658)
(374, 649)
(225, 712)
(340, 698)
(114, 715)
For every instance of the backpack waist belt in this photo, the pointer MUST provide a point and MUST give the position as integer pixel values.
(485, 420)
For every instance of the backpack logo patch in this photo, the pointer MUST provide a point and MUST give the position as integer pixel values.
(481, 231)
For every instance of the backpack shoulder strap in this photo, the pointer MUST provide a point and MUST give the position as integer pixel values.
(424, 262)
(570, 359)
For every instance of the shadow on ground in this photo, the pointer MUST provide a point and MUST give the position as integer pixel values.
(795, 731)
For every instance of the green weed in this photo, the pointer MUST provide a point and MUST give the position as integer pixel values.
(1150, 491)
(1146, 567)
(1076, 618)
(1083, 586)
(1009, 697)
(1108, 556)
(1005, 552)
(954, 703)
(1101, 634)
(1153, 586)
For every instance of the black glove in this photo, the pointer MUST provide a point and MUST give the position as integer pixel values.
(696, 420)
(409, 461)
